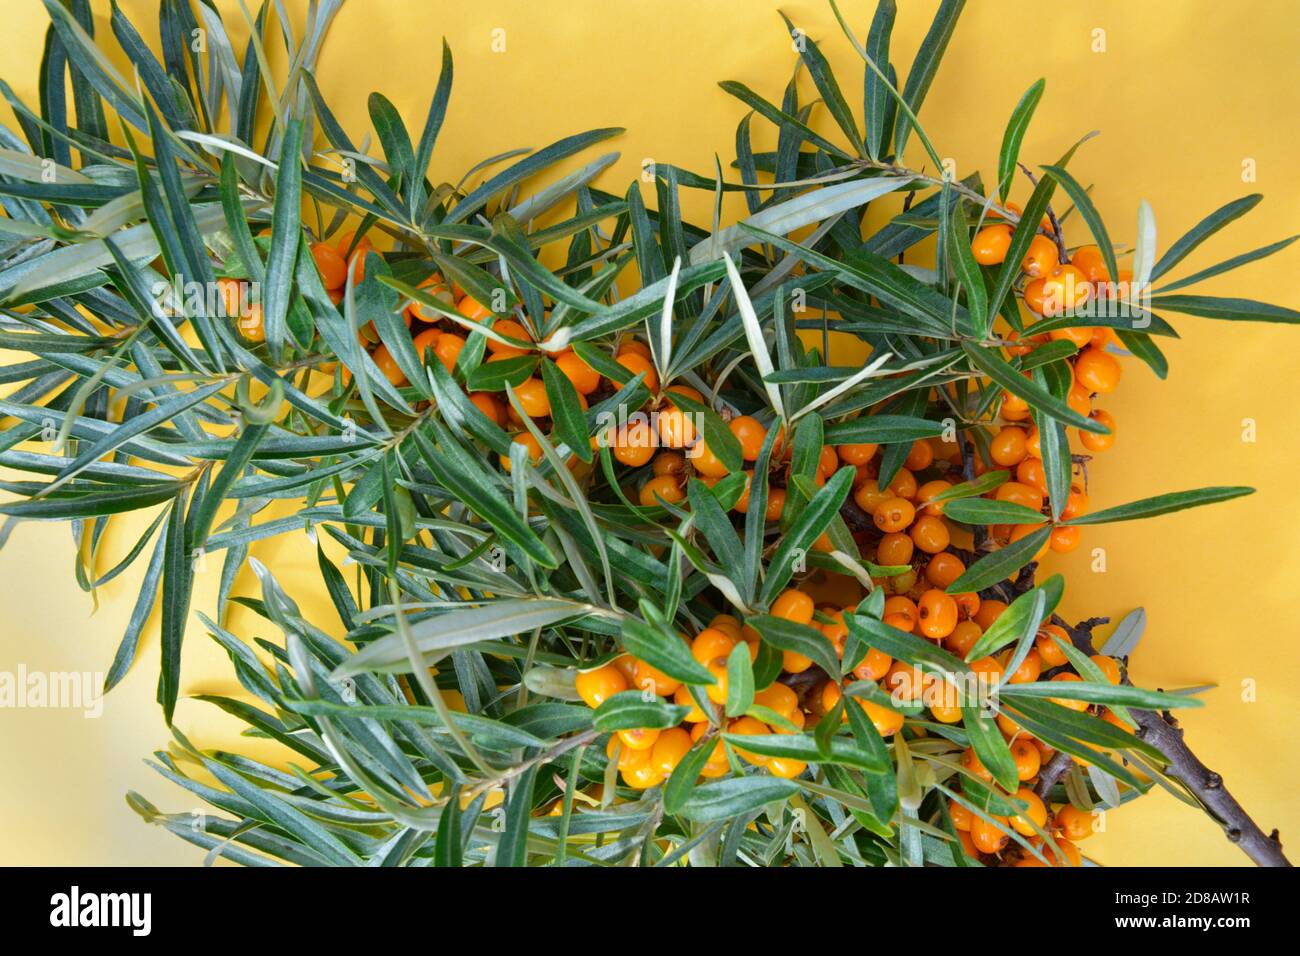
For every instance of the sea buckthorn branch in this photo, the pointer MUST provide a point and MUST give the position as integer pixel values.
(1162, 731)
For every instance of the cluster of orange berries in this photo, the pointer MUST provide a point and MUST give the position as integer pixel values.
(647, 757)
(1054, 286)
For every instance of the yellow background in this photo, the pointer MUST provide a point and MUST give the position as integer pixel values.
(1185, 91)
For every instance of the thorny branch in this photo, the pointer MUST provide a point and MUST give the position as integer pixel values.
(1162, 732)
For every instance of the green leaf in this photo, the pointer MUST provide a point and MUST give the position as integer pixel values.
(976, 486)
(812, 522)
(286, 233)
(1233, 310)
(1203, 230)
(654, 642)
(926, 64)
(1121, 695)
(798, 638)
(1021, 618)
(630, 710)
(882, 429)
(841, 750)
(824, 79)
(512, 848)
(989, 511)
(176, 584)
(1162, 504)
(684, 777)
(1096, 225)
(877, 100)
(440, 633)
(990, 747)
(996, 368)
(1014, 136)
(740, 681)
(959, 255)
(1229, 264)
(1001, 564)
(734, 796)
(567, 416)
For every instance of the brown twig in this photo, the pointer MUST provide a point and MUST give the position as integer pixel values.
(1162, 732)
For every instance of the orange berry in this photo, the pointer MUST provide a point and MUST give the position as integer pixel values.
(663, 486)
(1076, 504)
(894, 548)
(1028, 670)
(920, 457)
(1035, 295)
(963, 638)
(944, 568)
(1008, 446)
(930, 534)
(989, 612)
(1041, 258)
(682, 697)
(1097, 370)
(937, 614)
(332, 267)
(585, 379)
(711, 643)
(1080, 335)
(750, 434)
(1094, 442)
(904, 484)
(929, 490)
(597, 686)
(873, 666)
(1074, 823)
(1020, 494)
(868, 496)
(635, 445)
(1109, 667)
(532, 398)
(1089, 261)
(1046, 644)
(705, 462)
(251, 325)
(641, 738)
(786, 767)
(1034, 815)
(990, 244)
(1063, 289)
(902, 605)
(894, 514)
(793, 605)
(648, 677)
(717, 691)
(472, 309)
(886, 720)
(676, 427)
(749, 727)
(388, 365)
(987, 837)
(634, 347)
(1064, 539)
(1027, 758)
(669, 749)
(857, 454)
(636, 363)
(961, 817)
(1031, 472)
(778, 697)
(448, 349)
